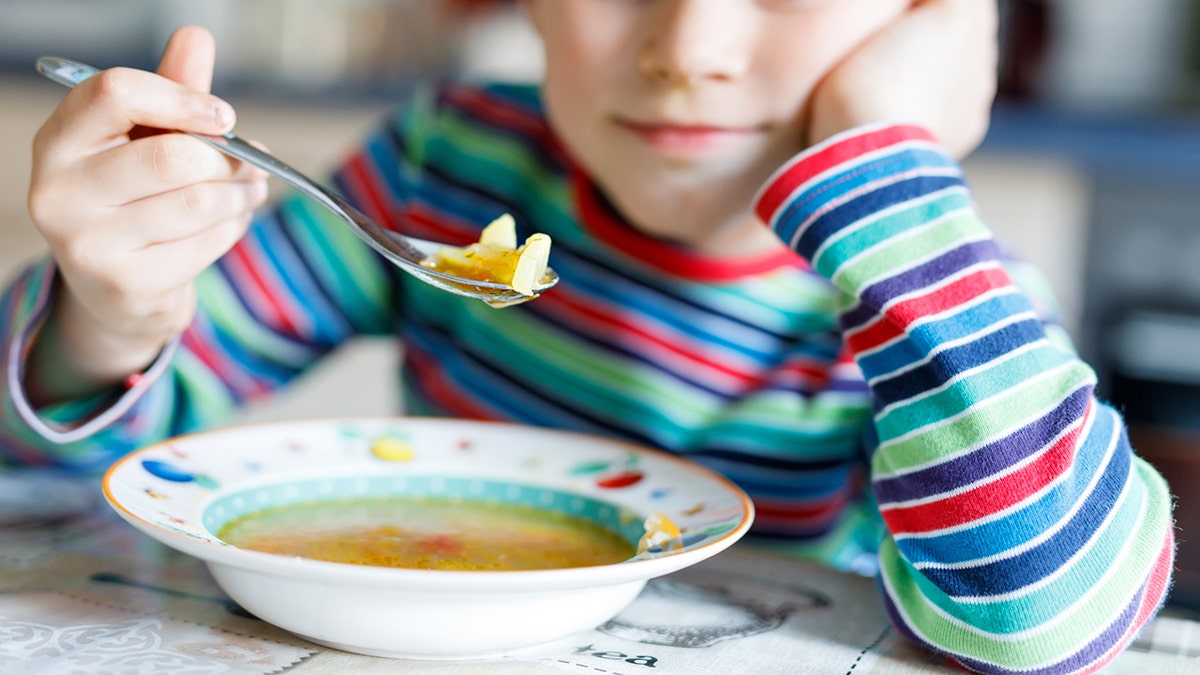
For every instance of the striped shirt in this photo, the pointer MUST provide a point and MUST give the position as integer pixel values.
(892, 391)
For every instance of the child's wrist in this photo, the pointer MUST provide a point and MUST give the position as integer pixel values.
(71, 357)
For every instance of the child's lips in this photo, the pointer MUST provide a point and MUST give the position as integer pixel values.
(686, 138)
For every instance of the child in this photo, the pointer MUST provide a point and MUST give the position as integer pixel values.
(770, 264)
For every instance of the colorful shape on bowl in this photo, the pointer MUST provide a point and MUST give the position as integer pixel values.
(620, 480)
(392, 449)
(166, 471)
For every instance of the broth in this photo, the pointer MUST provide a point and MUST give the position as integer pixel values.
(429, 534)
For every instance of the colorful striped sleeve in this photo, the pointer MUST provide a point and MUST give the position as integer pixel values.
(1024, 534)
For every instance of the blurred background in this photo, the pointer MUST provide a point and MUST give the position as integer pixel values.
(1091, 169)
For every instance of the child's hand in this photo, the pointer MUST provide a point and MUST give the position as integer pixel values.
(935, 66)
(132, 215)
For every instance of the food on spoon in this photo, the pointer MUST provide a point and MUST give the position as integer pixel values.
(531, 264)
(496, 257)
(500, 233)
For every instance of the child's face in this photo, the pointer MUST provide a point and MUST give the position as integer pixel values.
(680, 109)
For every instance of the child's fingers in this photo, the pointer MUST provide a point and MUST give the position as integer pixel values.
(183, 213)
(105, 107)
(140, 289)
(189, 58)
(161, 163)
(183, 259)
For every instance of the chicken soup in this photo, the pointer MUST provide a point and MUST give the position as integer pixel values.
(429, 534)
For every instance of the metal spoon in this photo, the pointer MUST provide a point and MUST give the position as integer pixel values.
(405, 252)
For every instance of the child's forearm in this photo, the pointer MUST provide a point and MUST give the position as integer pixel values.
(1025, 535)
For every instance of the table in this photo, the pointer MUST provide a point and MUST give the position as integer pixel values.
(83, 592)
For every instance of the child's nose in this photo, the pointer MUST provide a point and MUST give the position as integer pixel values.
(689, 41)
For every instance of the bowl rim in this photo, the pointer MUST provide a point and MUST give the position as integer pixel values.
(465, 581)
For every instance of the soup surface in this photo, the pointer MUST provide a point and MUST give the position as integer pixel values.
(429, 534)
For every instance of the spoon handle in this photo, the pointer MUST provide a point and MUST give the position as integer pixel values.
(70, 73)
(64, 71)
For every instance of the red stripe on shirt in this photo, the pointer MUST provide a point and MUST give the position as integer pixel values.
(266, 297)
(887, 327)
(368, 194)
(503, 114)
(950, 296)
(808, 165)
(441, 389)
(669, 257)
(877, 333)
(991, 497)
(438, 226)
(579, 311)
(220, 365)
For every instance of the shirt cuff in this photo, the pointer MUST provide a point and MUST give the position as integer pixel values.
(74, 420)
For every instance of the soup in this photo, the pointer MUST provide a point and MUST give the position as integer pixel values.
(429, 534)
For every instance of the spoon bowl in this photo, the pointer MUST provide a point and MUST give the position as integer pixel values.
(405, 252)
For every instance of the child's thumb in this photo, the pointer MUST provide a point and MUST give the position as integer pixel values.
(189, 58)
